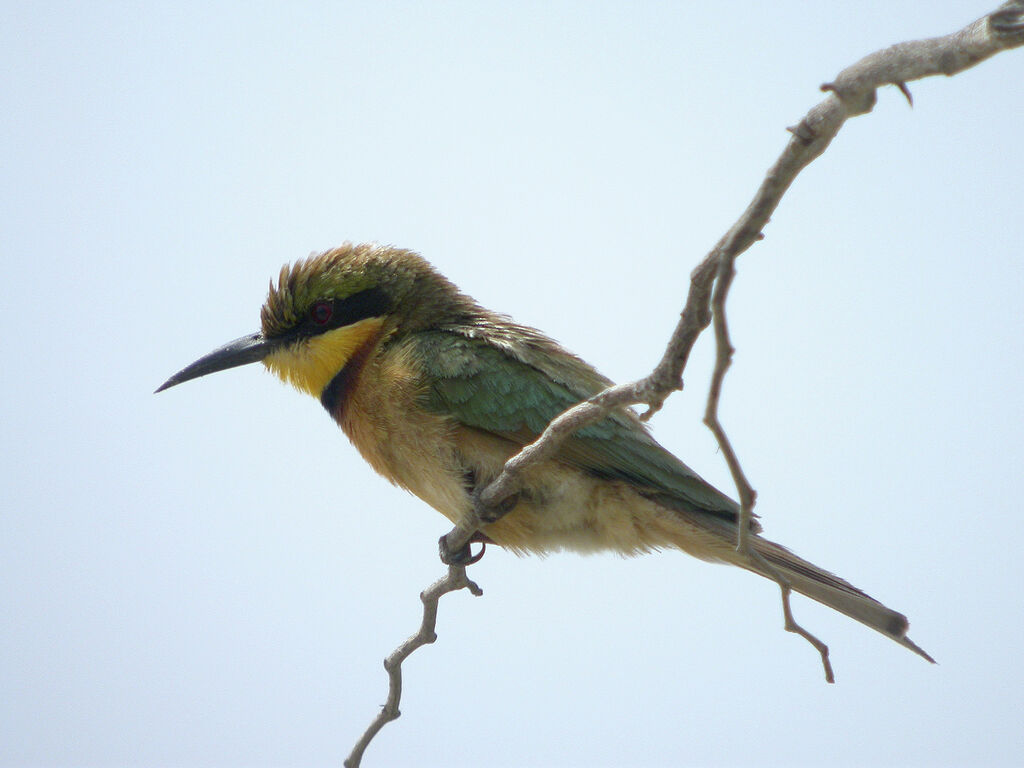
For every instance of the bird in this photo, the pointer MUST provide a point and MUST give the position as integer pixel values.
(437, 393)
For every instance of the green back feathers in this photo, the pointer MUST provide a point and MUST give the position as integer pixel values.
(487, 381)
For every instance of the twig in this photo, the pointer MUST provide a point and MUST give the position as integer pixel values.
(723, 359)
(747, 494)
(455, 580)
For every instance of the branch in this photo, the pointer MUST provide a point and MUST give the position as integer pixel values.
(455, 580)
(853, 92)
(855, 86)
(850, 94)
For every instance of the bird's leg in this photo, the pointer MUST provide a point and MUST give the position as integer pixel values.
(485, 508)
(492, 513)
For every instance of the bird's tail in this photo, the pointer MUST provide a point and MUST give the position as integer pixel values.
(828, 589)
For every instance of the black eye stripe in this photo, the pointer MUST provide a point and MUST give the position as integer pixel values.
(373, 302)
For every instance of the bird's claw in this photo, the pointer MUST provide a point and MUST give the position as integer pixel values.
(464, 555)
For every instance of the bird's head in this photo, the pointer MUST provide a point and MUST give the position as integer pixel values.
(329, 307)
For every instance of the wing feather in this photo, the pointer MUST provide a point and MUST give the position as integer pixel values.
(510, 384)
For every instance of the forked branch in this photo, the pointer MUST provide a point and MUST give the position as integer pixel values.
(851, 93)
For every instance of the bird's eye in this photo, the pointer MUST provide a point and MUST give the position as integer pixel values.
(321, 312)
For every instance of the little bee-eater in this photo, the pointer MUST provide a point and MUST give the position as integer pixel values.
(437, 392)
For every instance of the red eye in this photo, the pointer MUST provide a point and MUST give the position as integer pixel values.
(321, 312)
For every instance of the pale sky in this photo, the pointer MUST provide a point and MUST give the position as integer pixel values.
(212, 576)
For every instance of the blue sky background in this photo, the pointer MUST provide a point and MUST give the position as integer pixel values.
(211, 577)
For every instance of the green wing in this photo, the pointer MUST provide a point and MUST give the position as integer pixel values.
(513, 388)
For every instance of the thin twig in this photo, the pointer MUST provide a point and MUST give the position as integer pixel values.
(747, 494)
(723, 359)
(455, 580)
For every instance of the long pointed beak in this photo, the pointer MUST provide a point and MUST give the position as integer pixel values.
(248, 349)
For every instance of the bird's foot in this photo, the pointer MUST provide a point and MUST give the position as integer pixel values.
(463, 555)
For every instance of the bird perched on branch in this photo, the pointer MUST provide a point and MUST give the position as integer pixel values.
(437, 393)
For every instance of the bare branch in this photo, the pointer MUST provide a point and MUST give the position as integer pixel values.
(853, 92)
(455, 580)
(855, 86)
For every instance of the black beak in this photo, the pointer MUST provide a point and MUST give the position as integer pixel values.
(248, 349)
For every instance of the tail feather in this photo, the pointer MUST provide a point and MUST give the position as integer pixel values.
(713, 538)
(838, 594)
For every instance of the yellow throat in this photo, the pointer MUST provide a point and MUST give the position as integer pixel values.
(310, 364)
